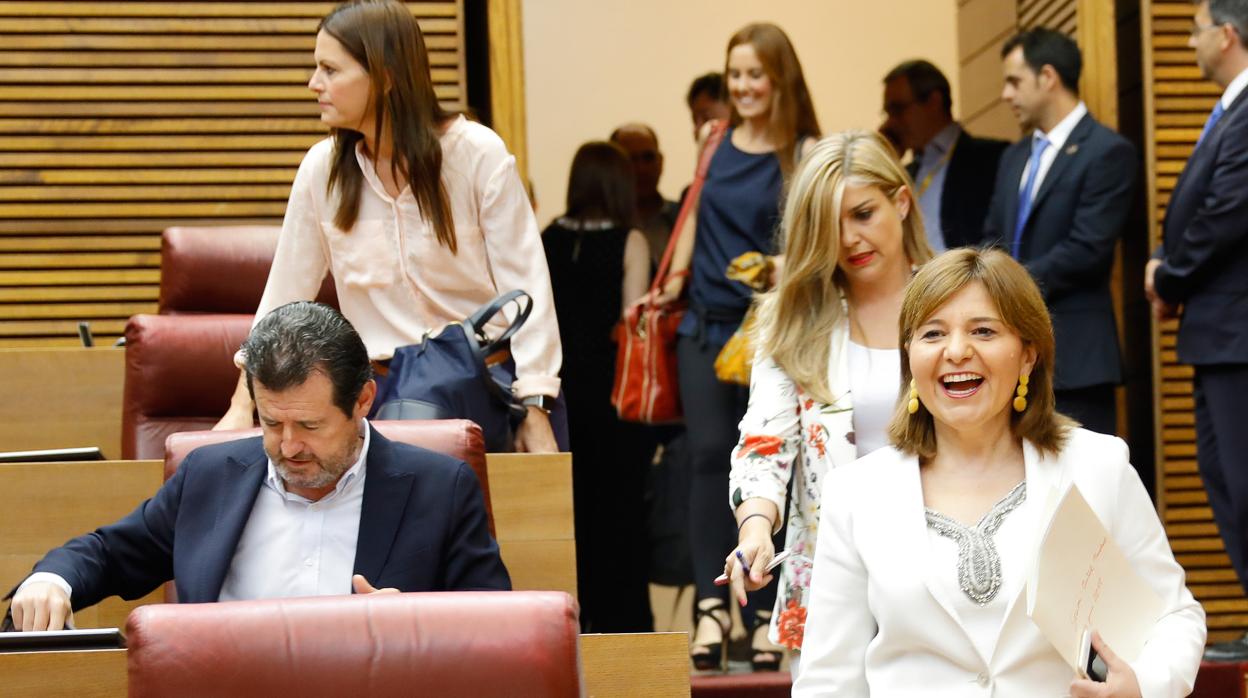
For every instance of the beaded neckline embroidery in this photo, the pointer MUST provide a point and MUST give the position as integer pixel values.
(979, 565)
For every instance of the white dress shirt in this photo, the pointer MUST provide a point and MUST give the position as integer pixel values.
(291, 546)
(935, 165)
(1057, 138)
(1233, 89)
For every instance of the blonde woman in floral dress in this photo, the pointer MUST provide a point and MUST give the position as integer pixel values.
(826, 374)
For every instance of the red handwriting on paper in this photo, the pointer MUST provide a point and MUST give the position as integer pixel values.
(1093, 595)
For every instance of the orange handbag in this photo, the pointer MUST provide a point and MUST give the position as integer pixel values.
(646, 389)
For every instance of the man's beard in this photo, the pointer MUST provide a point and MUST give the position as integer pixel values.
(327, 474)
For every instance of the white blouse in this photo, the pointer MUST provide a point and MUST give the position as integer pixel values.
(396, 282)
(875, 376)
(983, 623)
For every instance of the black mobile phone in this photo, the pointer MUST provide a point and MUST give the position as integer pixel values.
(1090, 662)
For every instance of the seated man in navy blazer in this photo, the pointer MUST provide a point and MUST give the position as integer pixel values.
(320, 504)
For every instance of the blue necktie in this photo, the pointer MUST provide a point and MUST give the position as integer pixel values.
(1213, 119)
(1038, 144)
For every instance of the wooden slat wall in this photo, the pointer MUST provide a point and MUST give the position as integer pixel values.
(983, 26)
(119, 119)
(1177, 101)
(1061, 15)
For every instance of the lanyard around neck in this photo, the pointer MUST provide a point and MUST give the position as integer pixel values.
(927, 181)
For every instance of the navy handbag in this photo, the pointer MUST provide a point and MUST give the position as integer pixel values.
(446, 376)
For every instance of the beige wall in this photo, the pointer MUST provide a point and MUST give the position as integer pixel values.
(590, 66)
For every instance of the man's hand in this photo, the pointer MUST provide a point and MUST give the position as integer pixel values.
(1119, 683)
(535, 434)
(361, 586)
(1162, 309)
(1150, 276)
(41, 606)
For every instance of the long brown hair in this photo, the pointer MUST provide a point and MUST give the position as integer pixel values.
(1022, 309)
(384, 38)
(796, 318)
(792, 112)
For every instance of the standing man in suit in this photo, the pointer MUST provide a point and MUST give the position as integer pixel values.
(1062, 197)
(319, 504)
(1203, 267)
(953, 171)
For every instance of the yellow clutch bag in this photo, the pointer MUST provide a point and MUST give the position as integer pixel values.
(753, 269)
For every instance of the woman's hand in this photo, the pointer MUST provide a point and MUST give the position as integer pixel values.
(1120, 683)
(671, 290)
(756, 549)
(535, 434)
(237, 417)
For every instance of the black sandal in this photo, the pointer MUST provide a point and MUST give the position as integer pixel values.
(763, 660)
(714, 657)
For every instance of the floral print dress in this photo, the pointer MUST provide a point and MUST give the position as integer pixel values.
(788, 435)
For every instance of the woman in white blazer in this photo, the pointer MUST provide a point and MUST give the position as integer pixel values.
(824, 380)
(978, 452)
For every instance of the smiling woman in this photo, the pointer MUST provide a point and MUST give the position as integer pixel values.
(927, 544)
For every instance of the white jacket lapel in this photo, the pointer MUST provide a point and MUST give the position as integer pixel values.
(838, 417)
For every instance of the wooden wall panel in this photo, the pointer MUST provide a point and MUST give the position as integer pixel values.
(119, 119)
(983, 26)
(1177, 101)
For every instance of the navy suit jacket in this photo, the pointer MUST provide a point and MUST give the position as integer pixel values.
(968, 189)
(1205, 250)
(423, 527)
(1068, 243)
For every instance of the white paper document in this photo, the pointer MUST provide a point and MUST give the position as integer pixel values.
(1081, 580)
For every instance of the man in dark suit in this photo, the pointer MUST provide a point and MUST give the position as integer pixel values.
(1203, 266)
(952, 170)
(319, 504)
(1062, 197)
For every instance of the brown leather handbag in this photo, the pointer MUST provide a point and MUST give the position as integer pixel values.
(646, 389)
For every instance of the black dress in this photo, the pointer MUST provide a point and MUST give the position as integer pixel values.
(610, 458)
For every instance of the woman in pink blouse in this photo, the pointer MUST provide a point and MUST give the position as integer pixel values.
(419, 214)
(826, 374)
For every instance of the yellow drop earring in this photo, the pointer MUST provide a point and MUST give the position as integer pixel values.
(1020, 394)
(913, 405)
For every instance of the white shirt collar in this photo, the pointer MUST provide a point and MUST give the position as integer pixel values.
(1058, 135)
(348, 479)
(1235, 87)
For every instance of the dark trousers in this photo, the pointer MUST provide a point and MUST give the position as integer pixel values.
(713, 410)
(1222, 454)
(1095, 407)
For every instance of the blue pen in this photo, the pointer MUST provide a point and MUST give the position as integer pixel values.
(744, 567)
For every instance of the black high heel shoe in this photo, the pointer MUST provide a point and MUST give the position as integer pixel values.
(712, 656)
(763, 659)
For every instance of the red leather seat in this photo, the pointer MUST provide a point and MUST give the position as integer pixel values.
(434, 644)
(179, 376)
(220, 269)
(179, 364)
